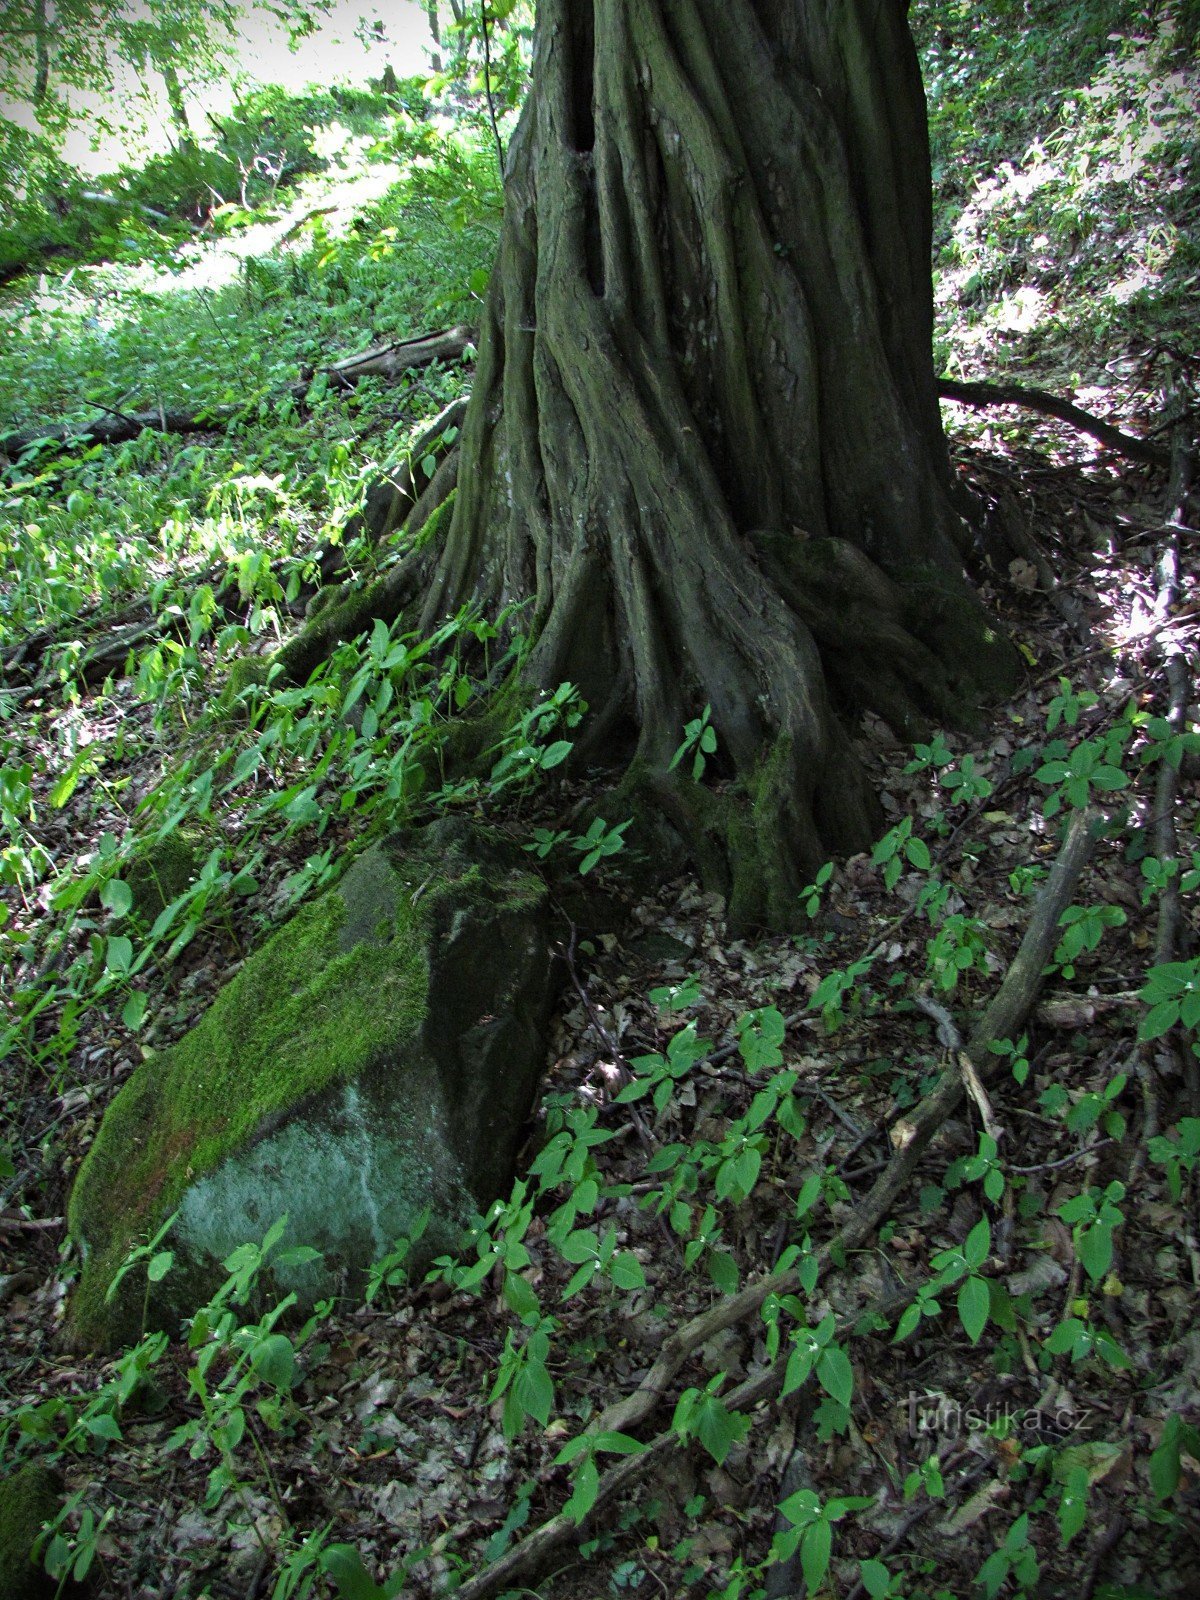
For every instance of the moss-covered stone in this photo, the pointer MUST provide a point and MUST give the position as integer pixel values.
(28, 1500)
(246, 670)
(378, 1055)
(161, 871)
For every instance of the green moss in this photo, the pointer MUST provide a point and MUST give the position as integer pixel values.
(329, 594)
(320, 1000)
(335, 1018)
(28, 1500)
(944, 613)
(246, 670)
(162, 871)
(342, 619)
(436, 523)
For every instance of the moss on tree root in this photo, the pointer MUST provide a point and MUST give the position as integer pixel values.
(29, 1499)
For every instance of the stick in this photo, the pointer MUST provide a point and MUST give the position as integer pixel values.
(1016, 394)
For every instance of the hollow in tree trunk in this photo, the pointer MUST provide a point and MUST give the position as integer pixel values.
(704, 445)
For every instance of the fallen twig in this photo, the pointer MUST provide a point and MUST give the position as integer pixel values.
(389, 362)
(1017, 394)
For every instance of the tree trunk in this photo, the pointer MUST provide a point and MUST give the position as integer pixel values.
(41, 52)
(704, 443)
(435, 55)
(177, 103)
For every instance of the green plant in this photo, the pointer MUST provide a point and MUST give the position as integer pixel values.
(812, 894)
(811, 1530)
(1093, 1216)
(1177, 1152)
(1172, 992)
(523, 1377)
(700, 741)
(599, 842)
(391, 1270)
(936, 754)
(957, 948)
(1014, 1558)
(1082, 929)
(158, 1263)
(965, 783)
(1068, 705)
(70, 1556)
(1091, 765)
(959, 1265)
(896, 847)
(839, 991)
(701, 1415)
(585, 1483)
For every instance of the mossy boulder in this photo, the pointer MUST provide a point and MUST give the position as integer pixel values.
(377, 1056)
(161, 871)
(28, 1500)
(246, 670)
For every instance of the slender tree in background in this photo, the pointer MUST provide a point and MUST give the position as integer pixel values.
(73, 45)
(435, 30)
(704, 452)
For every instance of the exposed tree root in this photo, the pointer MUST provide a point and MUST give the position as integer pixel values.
(1002, 1019)
(1051, 405)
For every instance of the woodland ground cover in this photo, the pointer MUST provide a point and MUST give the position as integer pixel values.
(716, 1109)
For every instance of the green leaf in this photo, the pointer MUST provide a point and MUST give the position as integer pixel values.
(133, 1012)
(1095, 1251)
(978, 1243)
(554, 754)
(800, 1364)
(619, 1444)
(275, 1361)
(584, 1491)
(918, 854)
(534, 1391)
(717, 1428)
(117, 897)
(722, 1269)
(1160, 1019)
(160, 1265)
(835, 1374)
(814, 1553)
(345, 1566)
(104, 1426)
(118, 956)
(626, 1271)
(908, 1321)
(876, 1579)
(973, 1302)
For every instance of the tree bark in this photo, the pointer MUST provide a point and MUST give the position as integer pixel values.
(41, 49)
(704, 441)
(176, 102)
(435, 29)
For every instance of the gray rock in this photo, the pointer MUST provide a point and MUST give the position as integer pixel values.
(377, 1056)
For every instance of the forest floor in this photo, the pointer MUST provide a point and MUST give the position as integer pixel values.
(1007, 1390)
(389, 1442)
